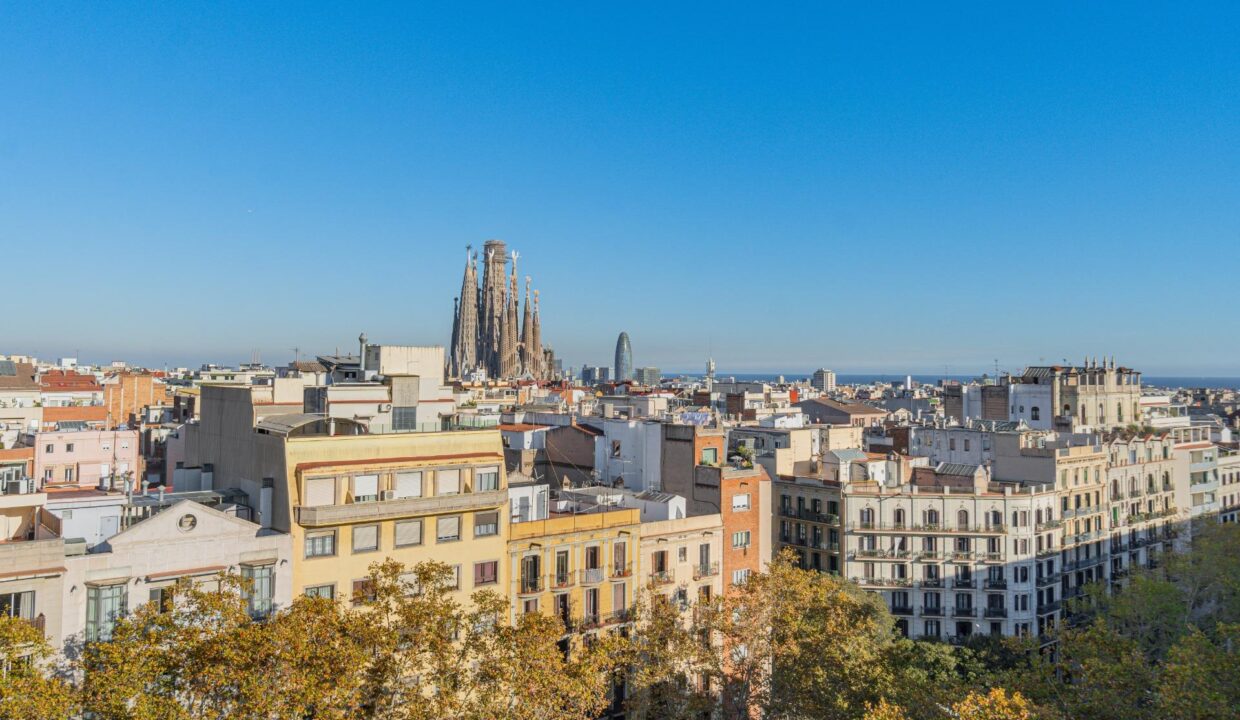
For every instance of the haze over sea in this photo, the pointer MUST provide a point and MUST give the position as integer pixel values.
(1151, 381)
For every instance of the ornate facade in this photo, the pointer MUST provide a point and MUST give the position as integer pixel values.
(489, 332)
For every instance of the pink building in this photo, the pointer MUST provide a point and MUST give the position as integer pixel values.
(82, 458)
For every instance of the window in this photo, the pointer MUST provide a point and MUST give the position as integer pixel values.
(740, 577)
(740, 539)
(1035, 413)
(18, 605)
(408, 532)
(486, 480)
(407, 485)
(448, 529)
(319, 492)
(486, 573)
(49, 448)
(486, 523)
(710, 456)
(363, 591)
(321, 544)
(323, 591)
(105, 604)
(454, 577)
(161, 597)
(740, 502)
(68, 447)
(365, 488)
(682, 554)
(365, 538)
(262, 588)
(68, 474)
(448, 482)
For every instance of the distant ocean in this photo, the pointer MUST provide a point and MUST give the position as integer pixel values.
(867, 379)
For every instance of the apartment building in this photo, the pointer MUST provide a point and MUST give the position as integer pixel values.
(32, 559)
(809, 520)
(349, 498)
(1148, 499)
(953, 552)
(576, 561)
(681, 558)
(87, 458)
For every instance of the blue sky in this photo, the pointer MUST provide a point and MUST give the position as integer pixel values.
(785, 187)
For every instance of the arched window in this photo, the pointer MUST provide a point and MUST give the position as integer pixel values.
(1037, 516)
(994, 518)
(1166, 481)
(932, 518)
(962, 519)
(898, 516)
(1114, 489)
(1149, 483)
(1035, 413)
(867, 518)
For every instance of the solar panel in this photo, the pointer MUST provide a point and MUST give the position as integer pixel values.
(8, 367)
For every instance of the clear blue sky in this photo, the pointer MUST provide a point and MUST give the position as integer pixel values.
(868, 190)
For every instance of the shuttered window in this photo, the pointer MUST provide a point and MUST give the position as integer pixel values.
(408, 532)
(486, 523)
(365, 538)
(365, 488)
(448, 529)
(320, 491)
(486, 573)
(408, 485)
(447, 482)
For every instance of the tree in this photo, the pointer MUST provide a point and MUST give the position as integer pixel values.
(802, 644)
(1201, 676)
(29, 689)
(671, 664)
(994, 705)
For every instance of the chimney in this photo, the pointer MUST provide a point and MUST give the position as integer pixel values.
(361, 355)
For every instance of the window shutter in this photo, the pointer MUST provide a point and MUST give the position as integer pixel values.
(449, 527)
(409, 533)
(365, 537)
(320, 491)
(449, 482)
(408, 485)
(365, 485)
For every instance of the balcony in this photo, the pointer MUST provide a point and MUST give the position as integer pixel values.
(1048, 552)
(960, 555)
(592, 576)
(932, 582)
(883, 582)
(901, 609)
(932, 611)
(1050, 607)
(998, 584)
(704, 570)
(880, 554)
(810, 515)
(996, 612)
(326, 515)
(621, 570)
(921, 529)
(963, 583)
(991, 557)
(564, 579)
(1048, 525)
(964, 612)
(617, 617)
(530, 585)
(663, 577)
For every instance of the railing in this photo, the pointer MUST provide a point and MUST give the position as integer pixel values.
(991, 557)
(922, 528)
(881, 554)
(929, 611)
(617, 617)
(964, 612)
(1047, 552)
(621, 570)
(990, 584)
(996, 612)
(530, 585)
(663, 577)
(563, 579)
(884, 582)
(901, 609)
(702, 570)
(1048, 525)
(1050, 607)
(932, 582)
(592, 576)
(810, 515)
(960, 555)
(967, 583)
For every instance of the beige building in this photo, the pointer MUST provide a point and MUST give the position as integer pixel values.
(1147, 494)
(681, 558)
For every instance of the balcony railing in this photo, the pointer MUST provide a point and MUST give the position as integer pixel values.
(663, 577)
(932, 611)
(324, 515)
(1048, 525)
(883, 582)
(1049, 607)
(621, 570)
(702, 570)
(810, 515)
(531, 585)
(924, 528)
(964, 612)
(563, 579)
(995, 584)
(963, 583)
(932, 582)
(592, 576)
(996, 612)
(901, 609)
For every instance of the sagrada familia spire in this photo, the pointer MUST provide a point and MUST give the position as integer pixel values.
(488, 331)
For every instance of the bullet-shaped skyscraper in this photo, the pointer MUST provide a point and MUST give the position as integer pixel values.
(624, 358)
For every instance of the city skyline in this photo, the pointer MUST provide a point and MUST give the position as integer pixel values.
(1062, 196)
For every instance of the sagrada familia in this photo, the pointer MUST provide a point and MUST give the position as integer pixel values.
(486, 335)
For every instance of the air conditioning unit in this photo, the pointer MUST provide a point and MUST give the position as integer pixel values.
(387, 494)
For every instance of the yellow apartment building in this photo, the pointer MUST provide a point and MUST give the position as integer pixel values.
(576, 561)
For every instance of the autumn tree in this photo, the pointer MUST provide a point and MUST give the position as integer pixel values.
(673, 663)
(30, 688)
(1201, 676)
